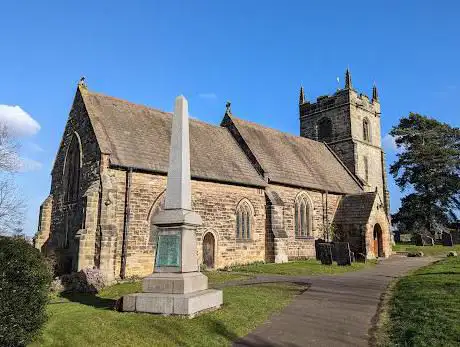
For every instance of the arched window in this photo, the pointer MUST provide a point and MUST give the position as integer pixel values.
(366, 130)
(244, 213)
(303, 216)
(325, 129)
(72, 171)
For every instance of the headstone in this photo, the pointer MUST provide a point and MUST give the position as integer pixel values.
(343, 253)
(325, 253)
(455, 237)
(447, 239)
(423, 240)
(318, 241)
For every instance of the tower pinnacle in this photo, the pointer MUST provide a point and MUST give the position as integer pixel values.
(375, 94)
(348, 84)
(301, 96)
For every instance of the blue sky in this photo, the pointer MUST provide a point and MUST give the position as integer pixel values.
(254, 53)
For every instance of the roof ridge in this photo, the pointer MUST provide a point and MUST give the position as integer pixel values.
(97, 94)
(277, 130)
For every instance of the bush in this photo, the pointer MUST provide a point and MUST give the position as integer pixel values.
(24, 284)
(84, 281)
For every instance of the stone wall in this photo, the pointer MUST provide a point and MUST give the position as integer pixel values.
(67, 218)
(304, 247)
(214, 202)
(44, 224)
(378, 216)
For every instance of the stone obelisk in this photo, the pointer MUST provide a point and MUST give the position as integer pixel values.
(176, 286)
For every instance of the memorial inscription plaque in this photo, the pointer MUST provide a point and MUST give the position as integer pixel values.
(168, 251)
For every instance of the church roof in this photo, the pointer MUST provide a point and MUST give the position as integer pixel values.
(355, 208)
(295, 160)
(138, 137)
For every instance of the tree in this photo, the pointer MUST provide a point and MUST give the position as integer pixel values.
(11, 206)
(429, 165)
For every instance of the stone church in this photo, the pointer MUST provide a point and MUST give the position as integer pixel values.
(263, 195)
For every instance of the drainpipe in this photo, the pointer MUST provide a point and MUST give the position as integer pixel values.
(124, 248)
(327, 219)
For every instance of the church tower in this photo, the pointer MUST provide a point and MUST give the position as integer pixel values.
(349, 123)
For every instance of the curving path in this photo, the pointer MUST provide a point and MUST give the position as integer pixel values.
(335, 311)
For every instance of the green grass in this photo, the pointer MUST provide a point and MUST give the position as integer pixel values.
(436, 250)
(424, 308)
(219, 277)
(88, 320)
(299, 268)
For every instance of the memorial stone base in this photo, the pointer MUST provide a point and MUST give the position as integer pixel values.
(184, 294)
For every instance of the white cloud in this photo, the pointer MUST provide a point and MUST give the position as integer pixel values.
(208, 96)
(28, 165)
(389, 144)
(18, 121)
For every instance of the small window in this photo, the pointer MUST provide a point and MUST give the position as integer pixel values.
(366, 169)
(244, 220)
(303, 216)
(366, 130)
(325, 130)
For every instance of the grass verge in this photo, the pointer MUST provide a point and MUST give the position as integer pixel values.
(301, 268)
(423, 308)
(88, 320)
(436, 250)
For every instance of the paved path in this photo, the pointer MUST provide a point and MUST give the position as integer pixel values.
(334, 311)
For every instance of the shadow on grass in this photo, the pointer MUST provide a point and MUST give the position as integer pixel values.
(89, 300)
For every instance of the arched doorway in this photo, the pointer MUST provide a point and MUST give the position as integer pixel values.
(209, 250)
(378, 241)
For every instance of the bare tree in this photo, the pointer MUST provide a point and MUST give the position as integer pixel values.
(11, 205)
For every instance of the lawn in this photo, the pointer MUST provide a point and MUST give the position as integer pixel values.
(301, 268)
(424, 308)
(88, 320)
(436, 250)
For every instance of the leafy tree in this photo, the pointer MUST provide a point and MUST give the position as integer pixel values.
(24, 286)
(429, 165)
(11, 205)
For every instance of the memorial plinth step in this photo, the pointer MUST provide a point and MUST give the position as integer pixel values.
(173, 304)
(175, 283)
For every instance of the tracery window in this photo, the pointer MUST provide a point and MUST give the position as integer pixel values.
(325, 129)
(366, 130)
(244, 213)
(303, 216)
(72, 171)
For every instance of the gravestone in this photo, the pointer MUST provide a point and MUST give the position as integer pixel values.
(325, 253)
(343, 253)
(423, 240)
(318, 241)
(455, 237)
(447, 239)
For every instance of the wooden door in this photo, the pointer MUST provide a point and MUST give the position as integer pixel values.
(208, 250)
